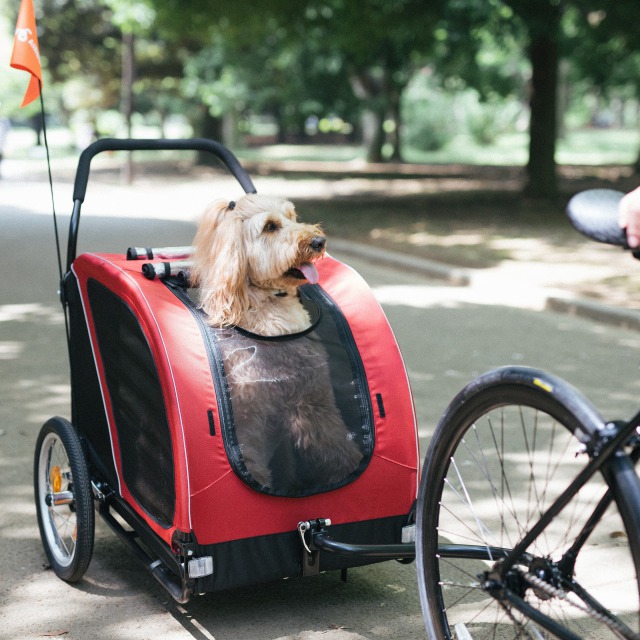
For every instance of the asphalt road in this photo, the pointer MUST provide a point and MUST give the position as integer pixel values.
(446, 341)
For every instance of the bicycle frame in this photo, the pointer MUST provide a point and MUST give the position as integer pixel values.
(605, 450)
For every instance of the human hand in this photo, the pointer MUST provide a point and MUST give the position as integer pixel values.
(629, 217)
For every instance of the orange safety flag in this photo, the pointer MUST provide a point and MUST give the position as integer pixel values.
(26, 53)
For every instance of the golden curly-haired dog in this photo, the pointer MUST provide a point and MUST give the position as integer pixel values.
(249, 258)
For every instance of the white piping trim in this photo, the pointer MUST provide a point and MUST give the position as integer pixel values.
(173, 381)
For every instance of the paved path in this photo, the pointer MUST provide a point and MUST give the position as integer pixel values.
(448, 335)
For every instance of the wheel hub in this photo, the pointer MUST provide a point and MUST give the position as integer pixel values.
(547, 572)
(542, 570)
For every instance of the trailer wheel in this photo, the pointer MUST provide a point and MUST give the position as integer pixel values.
(64, 501)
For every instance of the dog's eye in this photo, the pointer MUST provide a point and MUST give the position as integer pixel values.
(270, 227)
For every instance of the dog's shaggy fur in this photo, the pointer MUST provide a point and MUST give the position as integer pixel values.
(250, 258)
(290, 433)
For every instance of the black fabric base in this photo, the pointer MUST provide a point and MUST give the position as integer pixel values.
(266, 558)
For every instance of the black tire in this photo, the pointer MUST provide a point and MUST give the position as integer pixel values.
(64, 500)
(502, 453)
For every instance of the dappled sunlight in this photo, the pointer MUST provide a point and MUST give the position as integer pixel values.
(18, 506)
(513, 282)
(36, 400)
(50, 399)
(25, 506)
(10, 350)
(18, 490)
(628, 397)
(48, 593)
(10, 463)
(423, 238)
(155, 625)
(19, 534)
(510, 294)
(115, 581)
(31, 312)
(419, 296)
(66, 610)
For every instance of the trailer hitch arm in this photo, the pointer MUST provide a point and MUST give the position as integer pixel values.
(315, 538)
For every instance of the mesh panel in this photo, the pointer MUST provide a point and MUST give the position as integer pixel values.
(297, 411)
(138, 404)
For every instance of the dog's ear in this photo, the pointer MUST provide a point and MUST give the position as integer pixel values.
(220, 267)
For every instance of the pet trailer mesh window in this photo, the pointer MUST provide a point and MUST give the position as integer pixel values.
(138, 406)
(295, 410)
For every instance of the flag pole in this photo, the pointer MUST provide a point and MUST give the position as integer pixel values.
(53, 204)
(53, 208)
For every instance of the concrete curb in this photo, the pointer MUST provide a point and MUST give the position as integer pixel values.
(622, 318)
(619, 317)
(452, 275)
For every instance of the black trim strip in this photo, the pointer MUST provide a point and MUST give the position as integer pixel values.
(381, 410)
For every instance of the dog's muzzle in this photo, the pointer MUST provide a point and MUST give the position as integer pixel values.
(307, 270)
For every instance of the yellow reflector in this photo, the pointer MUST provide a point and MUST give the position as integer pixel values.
(543, 385)
(56, 479)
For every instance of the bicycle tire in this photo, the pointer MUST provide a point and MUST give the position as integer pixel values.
(64, 500)
(486, 481)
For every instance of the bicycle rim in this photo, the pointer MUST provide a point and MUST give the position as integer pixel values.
(59, 522)
(492, 470)
(64, 502)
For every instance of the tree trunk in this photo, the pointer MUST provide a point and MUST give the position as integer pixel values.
(126, 99)
(541, 170)
(371, 91)
(373, 134)
(396, 114)
(281, 135)
(212, 128)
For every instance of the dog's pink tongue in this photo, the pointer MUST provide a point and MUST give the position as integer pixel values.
(310, 272)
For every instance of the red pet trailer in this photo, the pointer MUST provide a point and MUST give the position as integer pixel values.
(152, 439)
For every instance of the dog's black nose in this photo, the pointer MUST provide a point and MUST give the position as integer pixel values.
(318, 243)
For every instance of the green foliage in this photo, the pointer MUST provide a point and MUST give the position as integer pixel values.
(333, 61)
(428, 115)
(131, 17)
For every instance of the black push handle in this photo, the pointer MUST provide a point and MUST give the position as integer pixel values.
(151, 144)
(128, 144)
(594, 213)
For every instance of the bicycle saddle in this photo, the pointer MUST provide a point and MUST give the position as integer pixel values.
(594, 213)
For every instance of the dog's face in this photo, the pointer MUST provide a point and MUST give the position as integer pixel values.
(280, 251)
(255, 245)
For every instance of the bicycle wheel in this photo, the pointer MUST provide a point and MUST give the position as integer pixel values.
(504, 450)
(64, 501)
